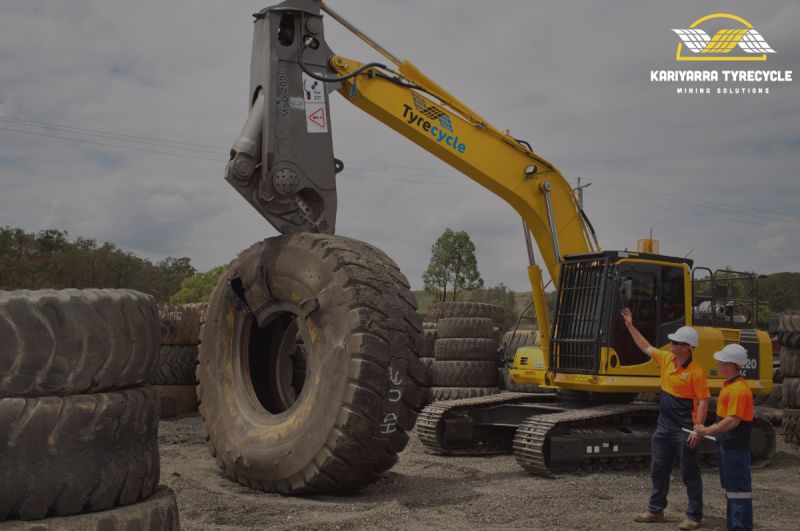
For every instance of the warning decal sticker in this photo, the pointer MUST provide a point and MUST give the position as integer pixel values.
(314, 96)
(316, 119)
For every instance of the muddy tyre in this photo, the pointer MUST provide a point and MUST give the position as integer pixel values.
(65, 342)
(789, 331)
(444, 310)
(790, 362)
(791, 426)
(791, 393)
(789, 339)
(465, 349)
(180, 323)
(429, 337)
(456, 393)
(464, 374)
(176, 365)
(459, 327)
(67, 455)
(175, 400)
(309, 366)
(159, 512)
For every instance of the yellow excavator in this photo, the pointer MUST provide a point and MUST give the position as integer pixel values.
(586, 365)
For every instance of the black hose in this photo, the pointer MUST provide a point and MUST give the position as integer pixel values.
(335, 79)
(516, 325)
(524, 143)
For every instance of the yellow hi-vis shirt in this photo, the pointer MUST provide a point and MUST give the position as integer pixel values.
(682, 388)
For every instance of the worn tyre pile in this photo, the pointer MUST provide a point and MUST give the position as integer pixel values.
(789, 337)
(78, 425)
(174, 375)
(464, 362)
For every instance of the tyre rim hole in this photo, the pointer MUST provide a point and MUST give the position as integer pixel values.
(277, 362)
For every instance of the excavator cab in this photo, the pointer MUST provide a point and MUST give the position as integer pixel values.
(593, 291)
(591, 351)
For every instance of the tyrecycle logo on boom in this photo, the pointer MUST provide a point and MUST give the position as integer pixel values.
(442, 132)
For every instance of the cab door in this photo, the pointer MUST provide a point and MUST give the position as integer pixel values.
(656, 296)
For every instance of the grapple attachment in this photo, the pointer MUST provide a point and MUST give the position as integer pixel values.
(282, 162)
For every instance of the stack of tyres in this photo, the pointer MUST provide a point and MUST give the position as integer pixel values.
(513, 340)
(78, 425)
(464, 350)
(430, 331)
(174, 374)
(789, 336)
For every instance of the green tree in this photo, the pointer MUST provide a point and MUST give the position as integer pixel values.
(50, 259)
(453, 266)
(198, 288)
(781, 291)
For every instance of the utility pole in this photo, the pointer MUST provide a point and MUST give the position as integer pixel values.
(579, 189)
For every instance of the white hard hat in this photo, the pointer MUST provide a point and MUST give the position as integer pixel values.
(684, 334)
(733, 353)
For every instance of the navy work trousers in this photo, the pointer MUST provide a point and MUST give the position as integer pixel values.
(665, 445)
(734, 474)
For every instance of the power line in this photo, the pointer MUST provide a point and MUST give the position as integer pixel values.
(688, 212)
(84, 141)
(366, 170)
(110, 134)
(374, 177)
(722, 207)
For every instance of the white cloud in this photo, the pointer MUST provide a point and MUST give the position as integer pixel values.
(571, 78)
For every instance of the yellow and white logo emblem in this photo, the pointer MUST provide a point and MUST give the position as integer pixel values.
(742, 43)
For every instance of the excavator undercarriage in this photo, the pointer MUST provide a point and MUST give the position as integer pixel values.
(548, 436)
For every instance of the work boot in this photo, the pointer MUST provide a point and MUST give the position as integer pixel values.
(688, 523)
(649, 518)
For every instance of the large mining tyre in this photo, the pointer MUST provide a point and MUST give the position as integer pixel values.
(791, 426)
(180, 323)
(73, 454)
(460, 327)
(159, 512)
(65, 342)
(308, 366)
(789, 331)
(176, 365)
(444, 310)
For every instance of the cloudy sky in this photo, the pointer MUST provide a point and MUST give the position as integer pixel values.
(116, 118)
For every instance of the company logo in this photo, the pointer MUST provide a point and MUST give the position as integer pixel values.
(441, 132)
(740, 43)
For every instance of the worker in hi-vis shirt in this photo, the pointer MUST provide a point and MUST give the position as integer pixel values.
(732, 430)
(682, 405)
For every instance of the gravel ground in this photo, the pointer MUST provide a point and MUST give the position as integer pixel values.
(432, 492)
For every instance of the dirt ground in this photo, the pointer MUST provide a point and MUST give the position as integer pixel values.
(432, 492)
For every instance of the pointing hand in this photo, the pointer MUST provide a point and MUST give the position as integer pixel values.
(627, 317)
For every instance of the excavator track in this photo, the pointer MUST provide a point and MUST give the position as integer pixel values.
(607, 437)
(532, 451)
(430, 423)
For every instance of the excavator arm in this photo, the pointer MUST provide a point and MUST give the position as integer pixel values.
(283, 163)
